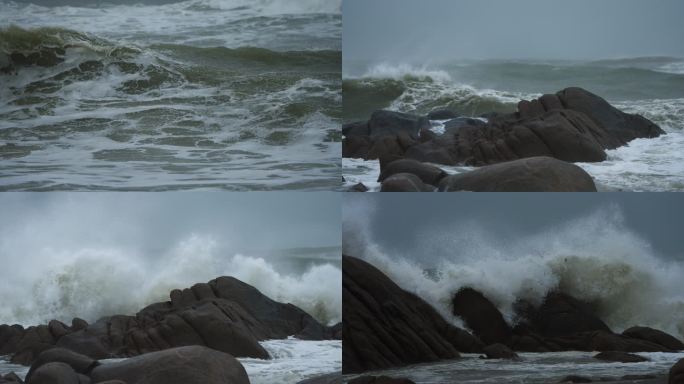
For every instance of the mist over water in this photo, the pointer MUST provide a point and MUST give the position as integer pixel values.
(90, 257)
(595, 258)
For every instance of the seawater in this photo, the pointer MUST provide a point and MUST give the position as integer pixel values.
(197, 94)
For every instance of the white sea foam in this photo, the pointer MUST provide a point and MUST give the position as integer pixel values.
(549, 367)
(594, 258)
(294, 360)
(403, 71)
(90, 283)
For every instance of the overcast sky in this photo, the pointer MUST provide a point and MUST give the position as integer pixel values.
(433, 226)
(429, 30)
(157, 221)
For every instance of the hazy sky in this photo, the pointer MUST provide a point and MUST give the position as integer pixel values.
(156, 221)
(430, 226)
(429, 30)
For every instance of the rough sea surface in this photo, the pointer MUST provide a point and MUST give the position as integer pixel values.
(650, 86)
(197, 94)
(533, 368)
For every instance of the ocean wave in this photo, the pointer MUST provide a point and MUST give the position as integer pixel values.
(594, 258)
(264, 7)
(420, 95)
(249, 56)
(95, 282)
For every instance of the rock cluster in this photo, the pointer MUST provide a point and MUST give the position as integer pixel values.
(572, 125)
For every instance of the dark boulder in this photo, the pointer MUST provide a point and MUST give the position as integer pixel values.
(54, 373)
(676, 374)
(224, 314)
(429, 174)
(621, 127)
(33, 341)
(389, 123)
(536, 174)
(454, 125)
(392, 147)
(621, 357)
(561, 314)
(499, 351)
(655, 336)
(481, 316)
(405, 182)
(359, 187)
(442, 114)
(78, 363)
(184, 365)
(10, 336)
(356, 129)
(356, 147)
(385, 326)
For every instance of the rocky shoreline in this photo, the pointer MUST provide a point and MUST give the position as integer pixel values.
(532, 149)
(386, 327)
(192, 338)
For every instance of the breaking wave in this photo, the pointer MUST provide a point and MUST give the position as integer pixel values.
(95, 282)
(595, 258)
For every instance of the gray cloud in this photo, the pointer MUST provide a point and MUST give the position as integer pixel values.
(421, 31)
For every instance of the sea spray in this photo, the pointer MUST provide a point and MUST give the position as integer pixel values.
(594, 258)
(92, 283)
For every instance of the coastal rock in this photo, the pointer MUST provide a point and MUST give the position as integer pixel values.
(359, 187)
(184, 365)
(454, 125)
(385, 326)
(535, 174)
(54, 373)
(561, 315)
(380, 380)
(442, 114)
(224, 314)
(10, 335)
(655, 336)
(77, 362)
(621, 357)
(573, 125)
(389, 123)
(499, 351)
(359, 128)
(356, 147)
(481, 316)
(405, 182)
(389, 148)
(676, 374)
(33, 341)
(429, 174)
(621, 127)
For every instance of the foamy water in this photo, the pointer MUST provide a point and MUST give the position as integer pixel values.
(548, 367)
(199, 94)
